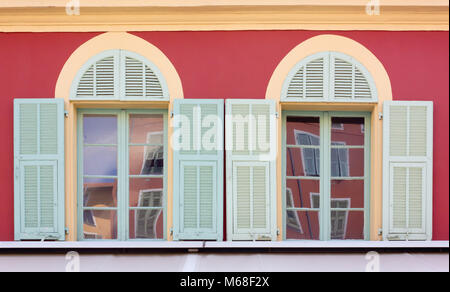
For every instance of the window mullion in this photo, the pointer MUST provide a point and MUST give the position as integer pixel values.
(367, 175)
(123, 176)
(326, 174)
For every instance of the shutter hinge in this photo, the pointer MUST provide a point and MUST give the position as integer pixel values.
(278, 231)
(380, 116)
(171, 231)
(66, 230)
(277, 115)
(66, 114)
(380, 231)
(171, 114)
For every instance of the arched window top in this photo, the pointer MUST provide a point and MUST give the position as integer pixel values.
(329, 76)
(119, 75)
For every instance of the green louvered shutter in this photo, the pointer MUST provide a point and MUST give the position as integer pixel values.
(198, 169)
(39, 169)
(407, 170)
(251, 174)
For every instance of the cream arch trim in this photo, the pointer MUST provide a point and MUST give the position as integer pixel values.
(96, 45)
(352, 48)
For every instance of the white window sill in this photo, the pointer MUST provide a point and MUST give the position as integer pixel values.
(226, 244)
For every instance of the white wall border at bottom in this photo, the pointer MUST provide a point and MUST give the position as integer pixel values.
(356, 244)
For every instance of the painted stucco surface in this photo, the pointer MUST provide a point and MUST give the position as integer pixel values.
(231, 65)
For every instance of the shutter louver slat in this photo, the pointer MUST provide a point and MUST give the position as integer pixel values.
(240, 129)
(398, 131)
(31, 197)
(206, 200)
(407, 170)
(190, 197)
(362, 86)
(315, 79)
(343, 83)
(415, 198)
(48, 129)
(134, 77)
(261, 112)
(243, 197)
(259, 198)
(399, 198)
(47, 196)
(152, 84)
(28, 129)
(418, 131)
(187, 110)
(86, 84)
(207, 110)
(104, 71)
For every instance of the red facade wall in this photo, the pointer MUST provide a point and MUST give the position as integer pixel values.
(231, 65)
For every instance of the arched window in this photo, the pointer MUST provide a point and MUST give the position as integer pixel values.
(329, 76)
(119, 75)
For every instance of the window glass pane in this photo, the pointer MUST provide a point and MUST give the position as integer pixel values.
(302, 225)
(100, 192)
(100, 129)
(146, 192)
(100, 224)
(347, 225)
(146, 224)
(348, 131)
(347, 194)
(347, 162)
(302, 162)
(100, 160)
(146, 129)
(302, 193)
(303, 131)
(146, 160)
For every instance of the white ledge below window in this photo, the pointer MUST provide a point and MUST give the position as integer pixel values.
(353, 244)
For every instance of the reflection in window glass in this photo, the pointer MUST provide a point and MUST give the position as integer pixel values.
(146, 160)
(349, 131)
(307, 125)
(347, 224)
(141, 186)
(100, 192)
(102, 226)
(353, 190)
(146, 129)
(146, 224)
(300, 192)
(302, 225)
(99, 160)
(100, 129)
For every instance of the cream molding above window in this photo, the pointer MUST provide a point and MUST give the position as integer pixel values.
(133, 15)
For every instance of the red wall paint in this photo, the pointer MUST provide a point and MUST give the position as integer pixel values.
(231, 65)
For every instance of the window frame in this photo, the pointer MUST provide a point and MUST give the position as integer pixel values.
(123, 175)
(325, 177)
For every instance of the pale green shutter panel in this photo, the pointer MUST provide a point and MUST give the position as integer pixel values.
(39, 169)
(251, 174)
(198, 169)
(407, 170)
